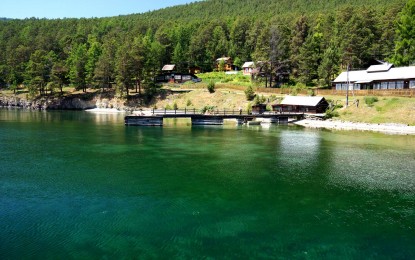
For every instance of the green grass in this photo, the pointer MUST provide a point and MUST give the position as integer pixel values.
(222, 77)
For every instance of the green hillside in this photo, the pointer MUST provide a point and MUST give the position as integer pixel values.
(309, 41)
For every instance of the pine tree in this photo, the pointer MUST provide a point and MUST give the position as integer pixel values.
(405, 43)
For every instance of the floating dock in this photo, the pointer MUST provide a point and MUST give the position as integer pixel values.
(155, 118)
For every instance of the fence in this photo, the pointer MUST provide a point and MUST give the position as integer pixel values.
(320, 92)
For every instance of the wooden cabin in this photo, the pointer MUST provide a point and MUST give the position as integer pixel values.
(298, 104)
(248, 68)
(228, 63)
(176, 78)
(259, 109)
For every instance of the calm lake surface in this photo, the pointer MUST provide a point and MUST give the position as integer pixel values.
(82, 185)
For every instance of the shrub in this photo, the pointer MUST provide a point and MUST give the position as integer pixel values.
(370, 100)
(211, 86)
(311, 92)
(331, 114)
(249, 93)
(189, 103)
(257, 100)
(175, 105)
(207, 108)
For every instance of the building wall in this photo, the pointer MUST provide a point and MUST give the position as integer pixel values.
(387, 84)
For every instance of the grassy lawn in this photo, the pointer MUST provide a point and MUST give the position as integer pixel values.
(385, 110)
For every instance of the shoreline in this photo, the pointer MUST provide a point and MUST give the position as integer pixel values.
(105, 110)
(387, 128)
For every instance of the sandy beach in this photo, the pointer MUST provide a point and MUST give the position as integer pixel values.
(389, 128)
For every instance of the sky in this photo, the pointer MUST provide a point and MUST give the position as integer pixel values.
(51, 9)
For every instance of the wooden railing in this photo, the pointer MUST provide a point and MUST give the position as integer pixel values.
(194, 111)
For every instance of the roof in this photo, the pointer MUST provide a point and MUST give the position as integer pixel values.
(400, 73)
(224, 59)
(248, 64)
(302, 101)
(168, 67)
(379, 68)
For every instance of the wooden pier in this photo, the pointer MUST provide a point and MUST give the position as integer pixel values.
(155, 117)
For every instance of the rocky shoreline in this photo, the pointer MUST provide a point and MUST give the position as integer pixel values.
(76, 102)
(389, 128)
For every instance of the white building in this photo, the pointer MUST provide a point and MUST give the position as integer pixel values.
(383, 76)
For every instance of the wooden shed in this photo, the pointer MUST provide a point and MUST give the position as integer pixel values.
(259, 108)
(298, 104)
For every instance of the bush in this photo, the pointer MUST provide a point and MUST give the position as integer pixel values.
(331, 114)
(370, 100)
(257, 100)
(249, 93)
(207, 109)
(175, 105)
(189, 103)
(311, 92)
(211, 86)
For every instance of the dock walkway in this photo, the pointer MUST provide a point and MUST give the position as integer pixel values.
(216, 117)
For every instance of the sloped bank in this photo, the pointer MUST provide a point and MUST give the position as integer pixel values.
(389, 128)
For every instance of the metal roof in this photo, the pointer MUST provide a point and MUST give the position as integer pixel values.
(400, 73)
(378, 68)
(301, 101)
(168, 67)
(248, 64)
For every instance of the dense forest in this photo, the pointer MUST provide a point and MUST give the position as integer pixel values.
(310, 40)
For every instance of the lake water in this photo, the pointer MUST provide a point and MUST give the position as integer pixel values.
(81, 185)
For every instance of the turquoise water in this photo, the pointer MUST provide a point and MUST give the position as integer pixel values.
(80, 185)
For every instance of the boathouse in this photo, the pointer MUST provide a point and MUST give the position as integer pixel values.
(383, 76)
(297, 104)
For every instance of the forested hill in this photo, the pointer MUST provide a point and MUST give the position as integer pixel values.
(309, 39)
(261, 9)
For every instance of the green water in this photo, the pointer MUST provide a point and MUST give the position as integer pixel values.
(78, 185)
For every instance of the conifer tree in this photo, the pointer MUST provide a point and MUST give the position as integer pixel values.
(405, 43)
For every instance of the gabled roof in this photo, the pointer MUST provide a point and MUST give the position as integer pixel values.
(248, 64)
(301, 101)
(168, 67)
(224, 59)
(400, 73)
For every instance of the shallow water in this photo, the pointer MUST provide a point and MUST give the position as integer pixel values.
(82, 185)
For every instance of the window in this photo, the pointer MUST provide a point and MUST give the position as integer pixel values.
(376, 86)
(412, 84)
(384, 85)
(392, 85)
(356, 86)
(399, 84)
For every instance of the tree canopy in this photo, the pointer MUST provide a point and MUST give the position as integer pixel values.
(315, 39)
